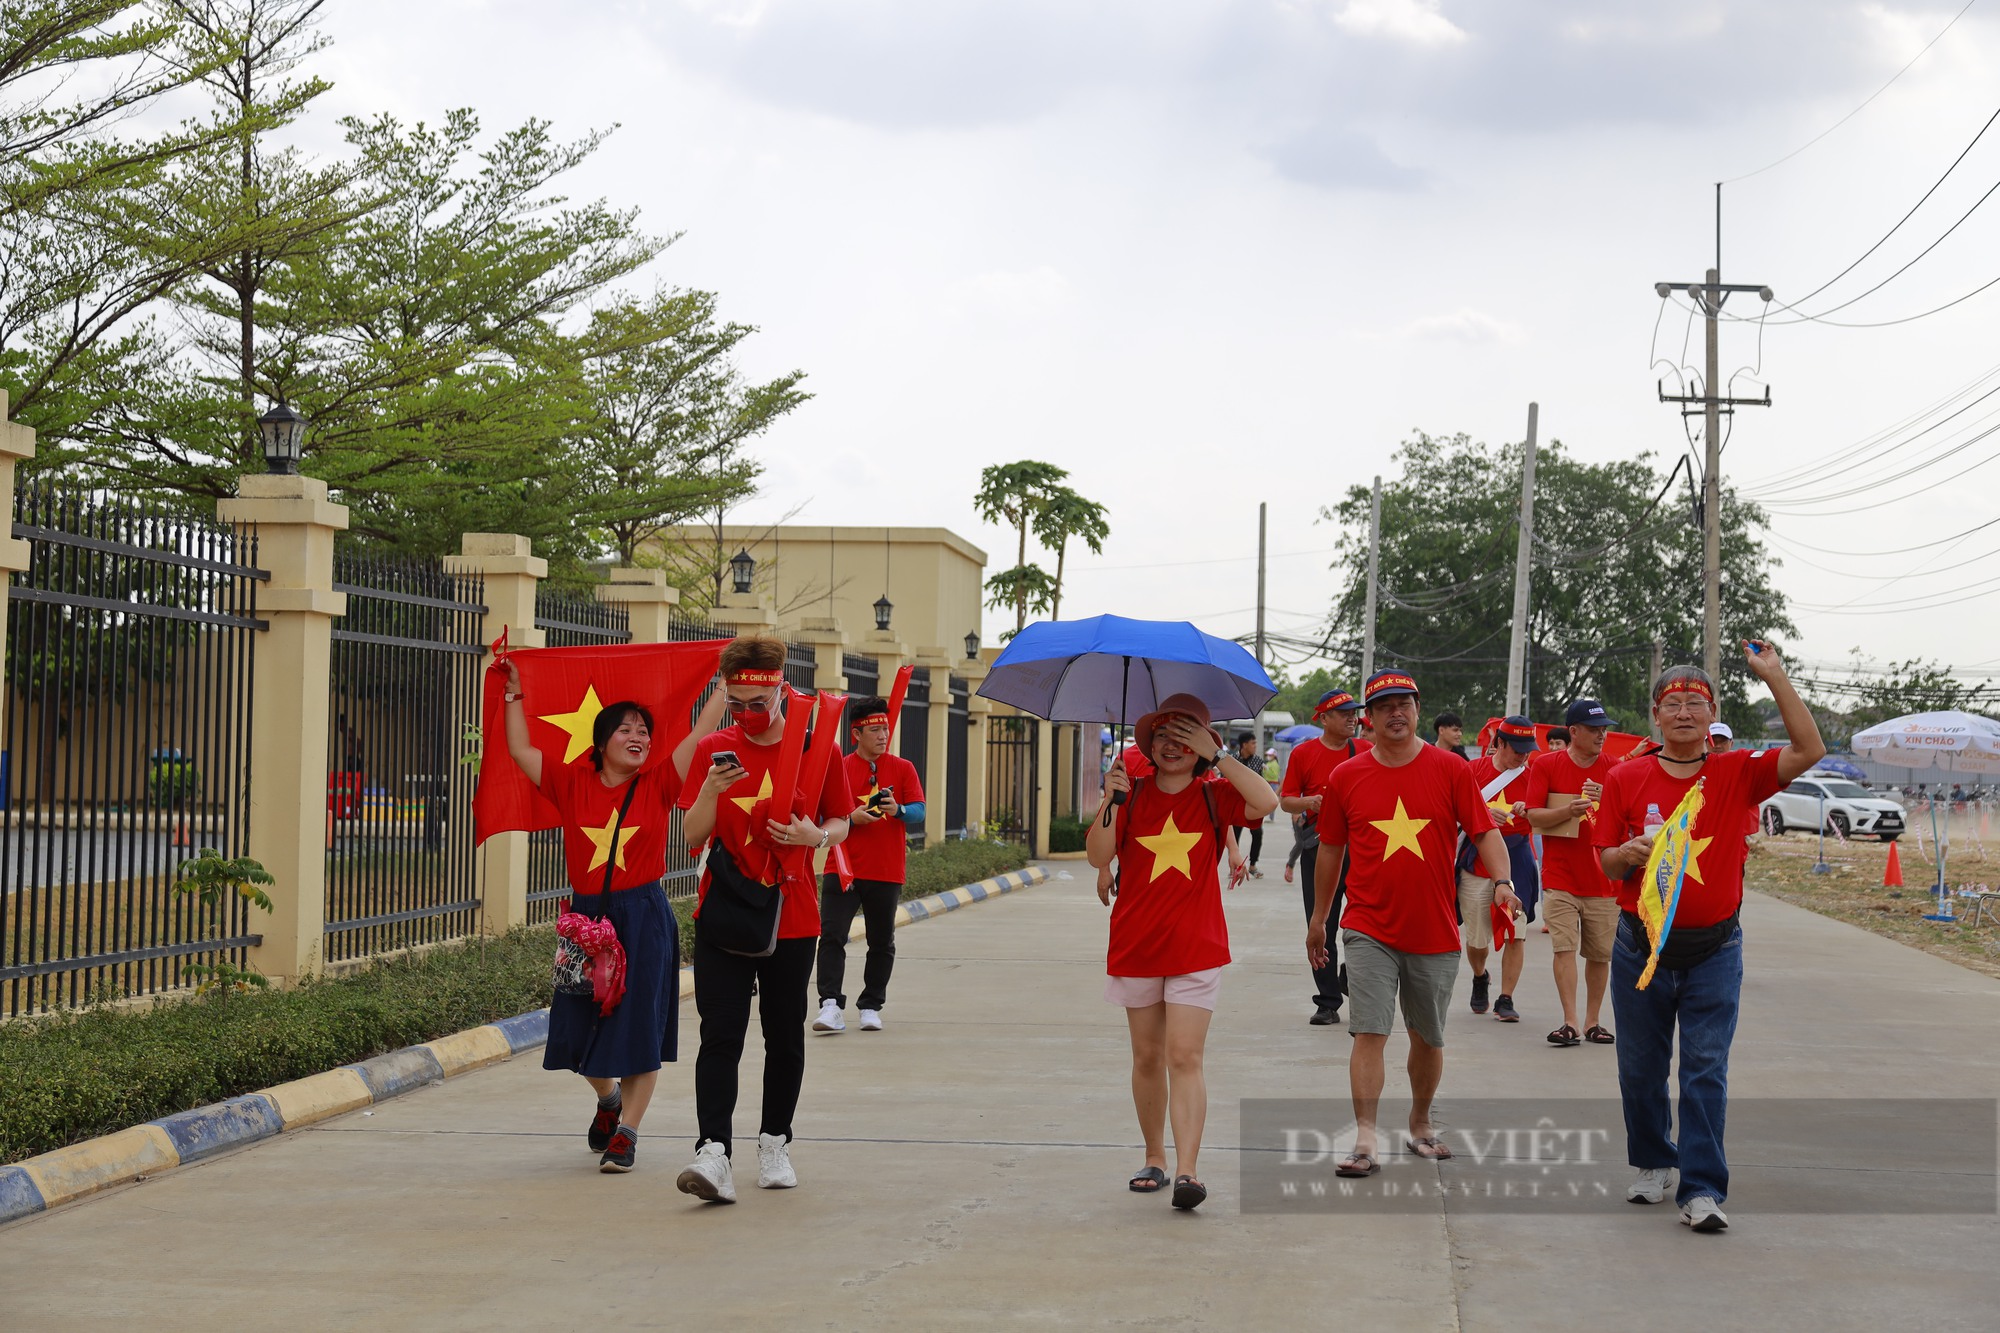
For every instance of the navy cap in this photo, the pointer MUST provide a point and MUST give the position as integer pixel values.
(1384, 684)
(1587, 713)
(1336, 701)
(1517, 731)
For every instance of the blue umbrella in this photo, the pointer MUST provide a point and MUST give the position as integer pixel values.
(1846, 768)
(1304, 731)
(1109, 668)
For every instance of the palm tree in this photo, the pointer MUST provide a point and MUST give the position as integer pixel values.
(1063, 515)
(1012, 494)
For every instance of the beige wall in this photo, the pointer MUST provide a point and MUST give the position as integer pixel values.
(933, 576)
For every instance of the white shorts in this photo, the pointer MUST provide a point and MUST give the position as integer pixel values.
(1198, 989)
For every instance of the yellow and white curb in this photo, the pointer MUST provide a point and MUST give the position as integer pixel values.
(82, 1169)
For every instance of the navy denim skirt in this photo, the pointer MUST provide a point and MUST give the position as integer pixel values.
(642, 1032)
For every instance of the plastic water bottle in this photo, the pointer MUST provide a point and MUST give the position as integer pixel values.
(1655, 821)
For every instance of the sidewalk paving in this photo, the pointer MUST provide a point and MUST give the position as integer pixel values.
(966, 1167)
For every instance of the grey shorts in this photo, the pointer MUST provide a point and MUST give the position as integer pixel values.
(1377, 974)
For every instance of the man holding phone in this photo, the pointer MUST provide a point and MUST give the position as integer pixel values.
(890, 800)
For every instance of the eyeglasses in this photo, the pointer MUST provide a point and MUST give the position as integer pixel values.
(749, 705)
(1685, 709)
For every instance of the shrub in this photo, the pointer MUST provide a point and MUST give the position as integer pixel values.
(959, 861)
(1066, 833)
(71, 1078)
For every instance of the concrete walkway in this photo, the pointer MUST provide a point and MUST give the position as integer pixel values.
(966, 1168)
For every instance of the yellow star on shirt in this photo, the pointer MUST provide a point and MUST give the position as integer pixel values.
(1402, 832)
(578, 724)
(1170, 848)
(600, 840)
(1696, 847)
(749, 803)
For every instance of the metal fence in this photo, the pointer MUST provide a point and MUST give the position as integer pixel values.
(1011, 744)
(130, 642)
(566, 621)
(801, 666)
(864, 677)
(957, 751)
(403, 722)
(913, 731)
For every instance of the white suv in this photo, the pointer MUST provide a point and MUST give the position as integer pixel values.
(1850, 808)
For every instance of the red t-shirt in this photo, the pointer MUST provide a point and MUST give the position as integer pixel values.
(800, 915)
(1137, 765)
(589, 810)
(1400, 827)
(1732, 782)
(1167, 917)
(877, 851)
(1568, 864)
(1484, 770)
(1312, 762)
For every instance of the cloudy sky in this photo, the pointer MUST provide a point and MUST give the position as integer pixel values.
(1206, 254)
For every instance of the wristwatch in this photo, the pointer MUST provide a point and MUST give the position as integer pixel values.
(824, 835)
(512, 697)
(1498, 882)
(1220, 755)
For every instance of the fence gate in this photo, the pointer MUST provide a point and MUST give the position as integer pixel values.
(1010, 777)
(403, 740)
(566, 621)
(957, 749)
(130, 638)
(913, 732)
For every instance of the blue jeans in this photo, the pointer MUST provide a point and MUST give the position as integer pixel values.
(1703, 1000)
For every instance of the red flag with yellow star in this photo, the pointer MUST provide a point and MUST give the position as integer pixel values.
(566, 689)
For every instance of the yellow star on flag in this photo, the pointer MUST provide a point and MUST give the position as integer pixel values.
(578, 725)
(749, 803)
(1402, 832)
(1696, 847)
(1170, 848)
(600, 839)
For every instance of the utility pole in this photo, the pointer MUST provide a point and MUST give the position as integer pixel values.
(1374, 571)
(1708, 298)
(1659, 665)
(1517, 647)
(1260, 583)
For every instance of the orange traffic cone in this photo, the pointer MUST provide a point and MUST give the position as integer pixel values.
(180, 838)
(1892, 874)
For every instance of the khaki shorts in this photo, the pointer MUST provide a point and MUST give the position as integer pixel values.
(1199, 989)
(1581, 923)
(1475, 910)
(1377, 976)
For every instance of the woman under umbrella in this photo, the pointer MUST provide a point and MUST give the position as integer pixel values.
(1169, 942)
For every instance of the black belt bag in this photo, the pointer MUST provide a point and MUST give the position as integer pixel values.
(739, 915)
(1688, 946)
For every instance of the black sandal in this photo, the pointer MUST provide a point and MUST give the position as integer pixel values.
(1566, 1036)
(1596, 1034)
(1188, 1193)
(1148, 1181)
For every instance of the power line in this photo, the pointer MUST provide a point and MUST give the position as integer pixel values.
(1793, 478)
(1864, 105)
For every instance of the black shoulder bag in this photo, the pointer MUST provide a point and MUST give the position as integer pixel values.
(739, 915)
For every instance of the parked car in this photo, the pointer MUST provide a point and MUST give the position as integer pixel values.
(1850, 808)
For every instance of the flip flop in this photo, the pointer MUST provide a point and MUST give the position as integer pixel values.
(1596, 1033)
(1438, 1151)
(1188, 1193)
(1148, 1181)
(1356, 1165)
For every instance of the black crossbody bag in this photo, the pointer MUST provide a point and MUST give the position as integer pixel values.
(739, 915)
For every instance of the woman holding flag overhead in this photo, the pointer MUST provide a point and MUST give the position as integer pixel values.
(765, 802)
(1670, 828)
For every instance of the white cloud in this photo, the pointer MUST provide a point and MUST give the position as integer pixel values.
(1017, 294)
(1464, 325)
(1417, 22)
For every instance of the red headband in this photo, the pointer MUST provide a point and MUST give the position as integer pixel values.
(872, 720)
(1685, 685)
(758, 678)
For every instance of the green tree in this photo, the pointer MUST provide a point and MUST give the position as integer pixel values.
(1062, 515)
(1012, 494)
(1612, 572)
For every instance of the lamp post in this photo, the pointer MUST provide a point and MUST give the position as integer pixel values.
(741, 570)
(883, 606)
(283, 432)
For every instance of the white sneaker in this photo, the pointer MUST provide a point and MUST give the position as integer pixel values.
(829, 1019)
(774, 1164)
(871, 1020)
(708, 1177)
(1702, 1213)
(1651, 1186)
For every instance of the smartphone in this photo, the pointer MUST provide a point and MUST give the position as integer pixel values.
(725, 759)
(881, 798)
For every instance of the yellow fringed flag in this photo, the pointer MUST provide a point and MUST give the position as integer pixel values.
(1666, 868)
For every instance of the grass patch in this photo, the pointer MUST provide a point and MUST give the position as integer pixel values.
(1853, 892)
(1067, 833)
(959, 861)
